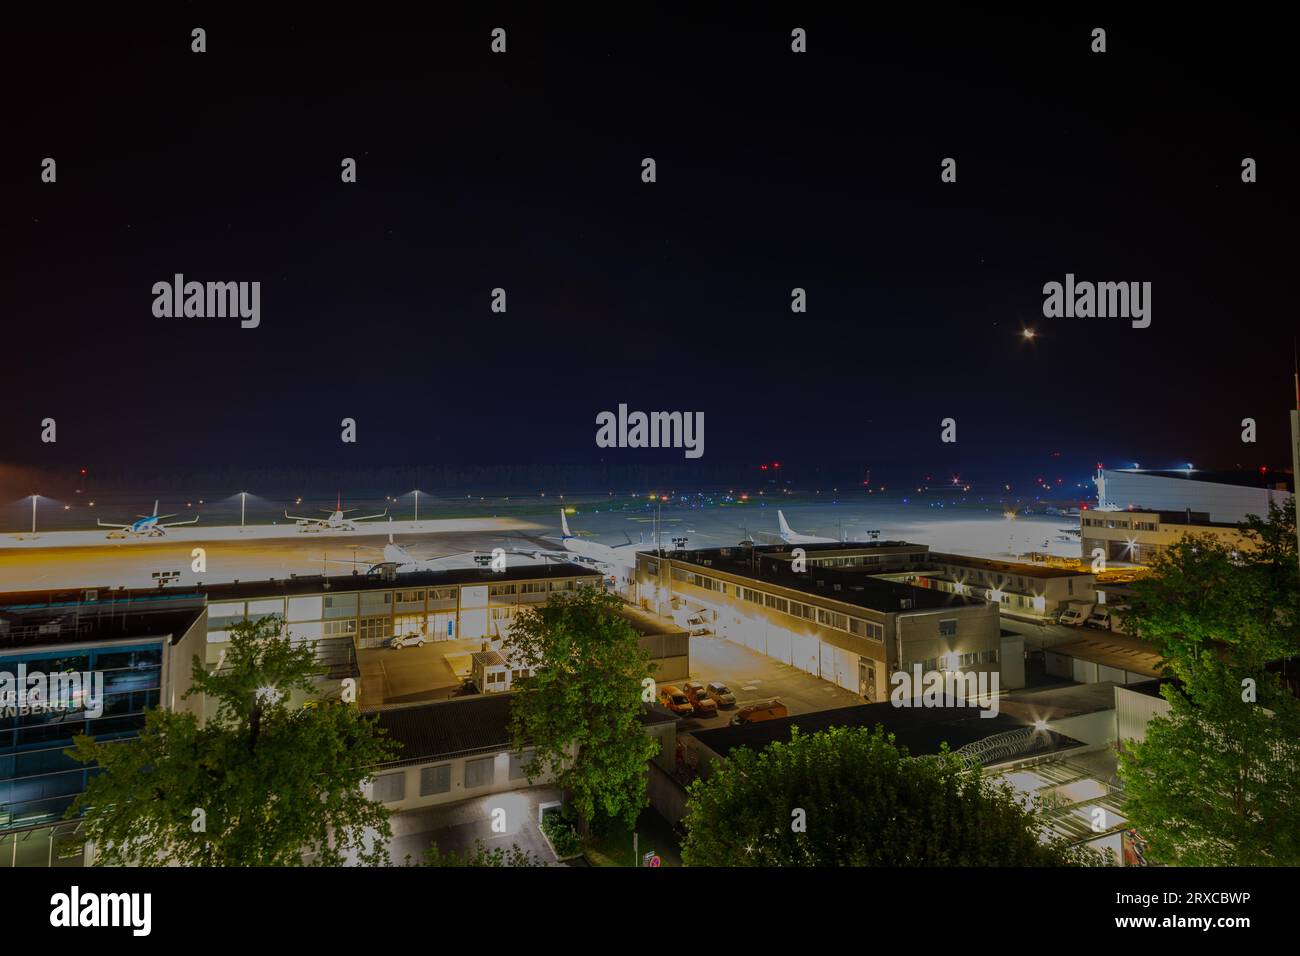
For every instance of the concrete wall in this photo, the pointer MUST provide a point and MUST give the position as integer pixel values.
(1134, 710)
(1159, 493)
(501, 782)
(178, 666)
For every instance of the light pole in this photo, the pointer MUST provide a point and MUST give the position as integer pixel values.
(243, 502)
(34, 497)
(417, 505)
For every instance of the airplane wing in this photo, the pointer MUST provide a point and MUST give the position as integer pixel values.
(174, 524)
(301, 518)
(105, 524)
(368, 517)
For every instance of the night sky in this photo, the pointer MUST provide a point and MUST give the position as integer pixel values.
(523, 171)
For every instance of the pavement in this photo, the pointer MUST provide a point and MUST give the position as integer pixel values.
(131, 563)
(456, 826)
(753, 677)
(410, 674)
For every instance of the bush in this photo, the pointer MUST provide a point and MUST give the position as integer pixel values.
(564, 839)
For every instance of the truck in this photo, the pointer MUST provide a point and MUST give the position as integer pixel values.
(1076, 613)
(1099, 618)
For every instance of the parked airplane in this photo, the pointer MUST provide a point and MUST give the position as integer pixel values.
(398, 560)
(147, 526)
(336, 520)
(618, 561)
(790, 536)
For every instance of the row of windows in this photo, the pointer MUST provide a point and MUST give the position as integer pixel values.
(480, 772)
(806, 612)
(962, 660)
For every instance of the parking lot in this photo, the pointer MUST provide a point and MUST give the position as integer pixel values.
(753, 677)
(432, 672)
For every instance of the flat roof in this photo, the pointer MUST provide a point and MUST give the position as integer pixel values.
(298, 585)
(461, 727)
(318, 584)
(1121, 651)
(1007, 567)
(854, 587)
(34, 629)
(922, 730)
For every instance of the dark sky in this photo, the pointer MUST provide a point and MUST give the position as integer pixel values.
(775, 170)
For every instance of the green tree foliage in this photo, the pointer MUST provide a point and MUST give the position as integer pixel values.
(580, 710)
(1213, 783)
(260, 783)
(864, 802)
(482, 856)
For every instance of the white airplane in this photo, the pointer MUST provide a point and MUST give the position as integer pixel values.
(336, 520)
(396, 558)
(790, 536)
(146, 526)
(617, 560)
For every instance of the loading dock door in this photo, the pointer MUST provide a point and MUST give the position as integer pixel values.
(828, 662)
(804, 653)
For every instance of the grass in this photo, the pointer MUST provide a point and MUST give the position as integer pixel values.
(614, 848)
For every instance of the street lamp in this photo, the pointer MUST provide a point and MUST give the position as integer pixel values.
(243, 502)
(417, 506)
(34, 497)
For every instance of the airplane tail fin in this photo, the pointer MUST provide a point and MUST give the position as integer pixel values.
(564, 524)
(785, 528)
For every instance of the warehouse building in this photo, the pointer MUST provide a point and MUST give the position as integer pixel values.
(851, 629)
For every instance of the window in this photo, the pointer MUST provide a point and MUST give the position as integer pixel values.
(390, 787)
(779, 603)
(409, 597)
(533, 587)
(340, 628)
(832, 619)
(948, 628)
(435, 780)
(518, 762)
(480, 772)
(500, 590)
(376, 628)
(866, 629)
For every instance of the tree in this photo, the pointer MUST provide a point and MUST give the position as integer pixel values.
(260, 783)
(1213, 782)
(580, 709)
(851, 797)
(482, 856)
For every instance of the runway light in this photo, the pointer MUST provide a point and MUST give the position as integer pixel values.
(1028, 334)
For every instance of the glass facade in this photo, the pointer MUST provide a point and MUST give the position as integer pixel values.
(38, 781)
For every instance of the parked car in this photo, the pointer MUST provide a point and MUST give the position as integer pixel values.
(753, 713)
(721, 694)
(700, 700)
(673, 698)
(406, 640)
